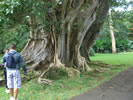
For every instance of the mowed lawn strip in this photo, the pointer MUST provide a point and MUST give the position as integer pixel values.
(115, 59)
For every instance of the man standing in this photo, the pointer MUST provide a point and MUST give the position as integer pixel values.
(5, 73)
(13, 63)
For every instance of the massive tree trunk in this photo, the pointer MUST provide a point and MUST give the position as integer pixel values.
(94, 30)
(112, 35)
(73, 34)
(80, 23)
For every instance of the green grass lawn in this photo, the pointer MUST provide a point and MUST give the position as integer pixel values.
(65, 88)
(115, 59)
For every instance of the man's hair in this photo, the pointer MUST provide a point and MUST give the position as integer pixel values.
(12, 46)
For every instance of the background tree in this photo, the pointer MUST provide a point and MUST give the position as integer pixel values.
(121, 26)
(112, 34)
(131, 25)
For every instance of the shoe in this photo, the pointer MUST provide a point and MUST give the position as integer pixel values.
(7, 91)
(11, 98)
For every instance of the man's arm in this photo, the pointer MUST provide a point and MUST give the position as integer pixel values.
(21, 61)
(3, 61)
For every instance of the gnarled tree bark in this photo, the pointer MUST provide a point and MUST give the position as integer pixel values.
(81, 21)
(94, 30)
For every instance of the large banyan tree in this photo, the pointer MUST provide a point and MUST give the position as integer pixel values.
(61, 31)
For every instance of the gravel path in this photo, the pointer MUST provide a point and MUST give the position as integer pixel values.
(118, 88)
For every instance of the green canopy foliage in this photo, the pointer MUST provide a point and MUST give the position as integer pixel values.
(131, 25)
(121, 26)
(14, 19)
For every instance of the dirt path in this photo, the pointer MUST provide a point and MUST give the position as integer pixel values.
(118, 88)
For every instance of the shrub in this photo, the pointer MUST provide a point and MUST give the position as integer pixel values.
(91, 52)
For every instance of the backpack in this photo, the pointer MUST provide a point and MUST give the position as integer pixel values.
(10, 60)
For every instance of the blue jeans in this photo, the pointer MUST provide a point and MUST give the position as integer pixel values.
(5, 76)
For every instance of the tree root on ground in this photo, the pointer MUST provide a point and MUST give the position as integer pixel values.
(53, 71)
(102, 64)
(44, 81)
